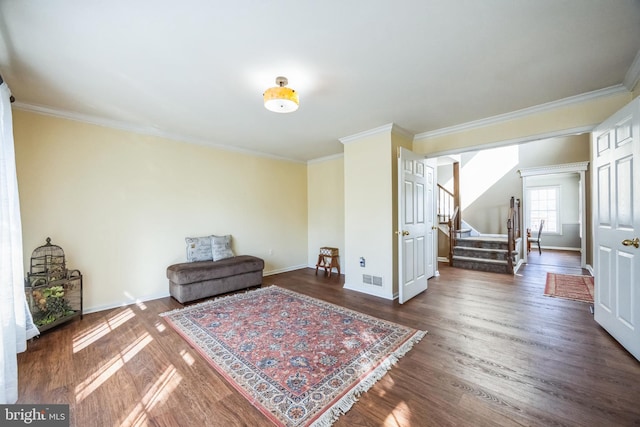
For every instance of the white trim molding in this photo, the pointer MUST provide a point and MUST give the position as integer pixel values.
(142, 130)
(572, 100)
(633, 74)
(551, 169)
(388, 128)
(515, 141)
(325, 159)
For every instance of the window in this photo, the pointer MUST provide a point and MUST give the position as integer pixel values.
(544, 204)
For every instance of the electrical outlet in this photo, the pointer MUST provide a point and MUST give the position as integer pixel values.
(362, 262)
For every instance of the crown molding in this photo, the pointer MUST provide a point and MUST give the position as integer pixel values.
(375, 131)
(325, 159)
(388, 128)
(572, 100)
(515, 141)
(551, 169)
(143, 130)
(402, 132)
(633, 74)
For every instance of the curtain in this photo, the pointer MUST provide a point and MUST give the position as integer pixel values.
(16, 323)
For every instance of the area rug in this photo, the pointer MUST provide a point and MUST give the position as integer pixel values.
(299, 360)
(569, 286)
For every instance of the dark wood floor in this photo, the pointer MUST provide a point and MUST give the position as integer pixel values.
(498, 353)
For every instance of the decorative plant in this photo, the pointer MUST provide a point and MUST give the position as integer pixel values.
(51, 305)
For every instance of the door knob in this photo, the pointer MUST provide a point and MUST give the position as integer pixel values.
(635, 242)
(405, 233)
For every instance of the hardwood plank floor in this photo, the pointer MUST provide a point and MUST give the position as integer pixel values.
(498, 353)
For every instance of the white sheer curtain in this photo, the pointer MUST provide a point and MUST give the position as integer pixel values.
(17, 325)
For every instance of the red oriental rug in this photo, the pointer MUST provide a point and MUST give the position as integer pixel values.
(299, 360)
(568, 286)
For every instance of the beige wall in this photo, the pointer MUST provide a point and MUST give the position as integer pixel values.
(325, 182)
(120, 204)
(368, 213)
(579, 115)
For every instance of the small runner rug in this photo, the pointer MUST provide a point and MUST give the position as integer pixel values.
(299, 360)
(568, 286)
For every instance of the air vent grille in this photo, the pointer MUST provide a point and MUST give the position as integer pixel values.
(368, 279)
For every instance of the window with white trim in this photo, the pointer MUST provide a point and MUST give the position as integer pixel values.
(544, 204)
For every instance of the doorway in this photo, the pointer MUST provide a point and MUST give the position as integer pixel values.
(566, 226)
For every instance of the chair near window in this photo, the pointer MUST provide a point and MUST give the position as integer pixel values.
(535, 239)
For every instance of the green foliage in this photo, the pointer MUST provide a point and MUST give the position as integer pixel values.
(51, 305)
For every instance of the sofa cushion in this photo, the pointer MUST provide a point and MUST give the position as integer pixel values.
(193, 272)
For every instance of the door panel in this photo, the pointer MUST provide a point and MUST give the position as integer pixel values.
(413, 230)
(617, 222)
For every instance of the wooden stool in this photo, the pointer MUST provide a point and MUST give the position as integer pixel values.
(328, 259)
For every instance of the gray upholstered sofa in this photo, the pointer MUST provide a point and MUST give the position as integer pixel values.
(191, 281)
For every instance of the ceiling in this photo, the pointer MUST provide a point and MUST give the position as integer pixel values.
(195, 70)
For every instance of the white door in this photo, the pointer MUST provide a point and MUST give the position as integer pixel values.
(431, 167)
(416, 255)
(616, 215)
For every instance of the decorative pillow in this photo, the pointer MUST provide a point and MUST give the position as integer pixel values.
(221, 247)
(198, 248)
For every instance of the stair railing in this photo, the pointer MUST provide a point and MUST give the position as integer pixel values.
(453, 231)
(513, 230)
(446, 204)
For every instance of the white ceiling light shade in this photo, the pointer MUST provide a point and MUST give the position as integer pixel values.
(281, 99)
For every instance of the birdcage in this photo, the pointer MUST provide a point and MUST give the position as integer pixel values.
(54, 293)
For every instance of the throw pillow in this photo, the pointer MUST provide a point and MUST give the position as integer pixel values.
(221, 247)
(199, 248)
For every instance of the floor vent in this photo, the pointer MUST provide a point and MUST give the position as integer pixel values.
(377, 281)
(366, 279)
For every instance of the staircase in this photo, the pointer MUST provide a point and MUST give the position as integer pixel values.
(485, 253)
(475, 251)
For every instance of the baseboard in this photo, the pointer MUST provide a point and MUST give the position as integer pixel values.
(557, 248)
(365, 291)
(518, 265)
(95, 309)
(125, 303)
(442, 259)
(284, 270)
(590, 269)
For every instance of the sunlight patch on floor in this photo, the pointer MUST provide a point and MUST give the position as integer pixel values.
(88, 337)
(400, 416)
(157, 393)
(160, 327)
(187, 357)
(89, 385)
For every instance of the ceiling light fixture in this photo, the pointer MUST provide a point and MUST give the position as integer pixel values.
(281, 99)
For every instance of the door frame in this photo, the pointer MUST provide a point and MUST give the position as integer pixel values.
(566, 168)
